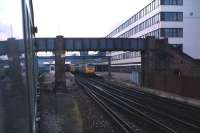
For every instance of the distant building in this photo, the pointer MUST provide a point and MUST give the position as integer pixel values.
(83, 53)
(177, 20)
(101, 54)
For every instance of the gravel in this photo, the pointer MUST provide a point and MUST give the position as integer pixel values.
(94, 119)
(77, 110)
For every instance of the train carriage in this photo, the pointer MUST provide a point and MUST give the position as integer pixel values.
(89, 69)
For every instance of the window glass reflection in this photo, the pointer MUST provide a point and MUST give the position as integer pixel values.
(14, 93)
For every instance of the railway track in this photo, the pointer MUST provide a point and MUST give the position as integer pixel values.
(118, 120)
(172, 107)
(138, 105)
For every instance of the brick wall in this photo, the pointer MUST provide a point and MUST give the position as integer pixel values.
(168, 69)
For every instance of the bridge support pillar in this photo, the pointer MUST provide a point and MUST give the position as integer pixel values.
(154, 59)
(60, 79)
(109, 66)
(148, 60)
(14, 60)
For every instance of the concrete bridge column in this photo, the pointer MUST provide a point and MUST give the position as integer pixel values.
(60, 80)
(14, 60)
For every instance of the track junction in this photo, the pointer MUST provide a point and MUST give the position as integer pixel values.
(136, 111)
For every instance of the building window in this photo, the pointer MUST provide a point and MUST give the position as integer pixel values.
(179, 2)
(171, 16)
(149, 8)
(178, 46)
(156, 3)
(149, 22)
(155, 33)
(171, 32)
(171, 2)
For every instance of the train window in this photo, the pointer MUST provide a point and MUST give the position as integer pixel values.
(15, 108)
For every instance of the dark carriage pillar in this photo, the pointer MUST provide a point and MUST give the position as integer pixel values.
(60, 81)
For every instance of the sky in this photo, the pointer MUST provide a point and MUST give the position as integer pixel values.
(10, 19)
(83, 18)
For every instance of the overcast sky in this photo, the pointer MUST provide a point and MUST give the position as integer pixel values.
(83, 18)
(10, 19)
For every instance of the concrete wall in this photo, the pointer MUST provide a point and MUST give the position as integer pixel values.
(192, 28)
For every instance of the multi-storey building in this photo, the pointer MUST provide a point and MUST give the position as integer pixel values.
(177, 20)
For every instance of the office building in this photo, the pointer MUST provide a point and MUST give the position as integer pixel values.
(177, 20)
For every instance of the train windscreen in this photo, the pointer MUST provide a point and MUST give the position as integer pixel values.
(90, 65)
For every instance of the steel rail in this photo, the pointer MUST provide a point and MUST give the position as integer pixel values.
(121, 123)
(167, 100)
(182, 116)
(124, 106)
(154, 111)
